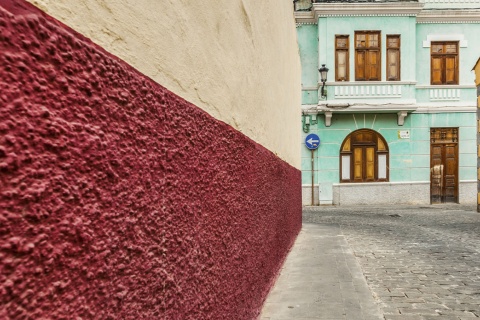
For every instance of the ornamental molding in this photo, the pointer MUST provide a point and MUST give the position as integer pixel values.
(305, 17)
(391, 9)
(384, 9)
(449, 16)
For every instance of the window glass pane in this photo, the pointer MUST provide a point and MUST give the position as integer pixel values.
(393, 57)
(346, 167)
(361, 41)
(393, 42)
(341, 42)
(451, 48)
(382, 166)
(373, 40)
(346, 145)
(437, 48)
(342, 65)
(380, 145)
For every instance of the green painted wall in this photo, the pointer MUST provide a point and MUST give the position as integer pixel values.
(468, 53)
(331, 26)
(409, 158)
(308, 46)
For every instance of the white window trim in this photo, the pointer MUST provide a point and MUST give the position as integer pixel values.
(445, 37)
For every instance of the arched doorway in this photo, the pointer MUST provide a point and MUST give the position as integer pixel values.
(364, 157)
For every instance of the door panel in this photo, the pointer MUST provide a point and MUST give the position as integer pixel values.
(370, 164)
(357, 164)
(450, 173)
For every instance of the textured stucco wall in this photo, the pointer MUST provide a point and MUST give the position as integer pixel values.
(121, 200)
(237, 60)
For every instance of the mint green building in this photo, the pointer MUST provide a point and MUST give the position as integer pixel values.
(396, 115)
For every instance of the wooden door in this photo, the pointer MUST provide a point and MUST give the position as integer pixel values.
(364, 164)
(444, 167)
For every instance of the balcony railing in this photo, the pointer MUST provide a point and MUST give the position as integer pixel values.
(444, 94)
(367, 91)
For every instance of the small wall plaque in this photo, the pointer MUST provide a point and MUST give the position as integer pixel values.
(404, 134)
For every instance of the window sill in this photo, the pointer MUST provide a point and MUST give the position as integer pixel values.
(446, 86)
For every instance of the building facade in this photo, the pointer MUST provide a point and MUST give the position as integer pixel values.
(396, 114)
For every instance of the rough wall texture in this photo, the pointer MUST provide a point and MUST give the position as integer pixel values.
(120, 200)
(233, 59)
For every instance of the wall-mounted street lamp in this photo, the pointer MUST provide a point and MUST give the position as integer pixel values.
(323, 78)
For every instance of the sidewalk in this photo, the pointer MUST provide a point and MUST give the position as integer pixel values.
(321, 279)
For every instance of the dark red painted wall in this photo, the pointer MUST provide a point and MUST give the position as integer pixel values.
(120, 200)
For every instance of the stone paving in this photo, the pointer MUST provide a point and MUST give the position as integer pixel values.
(321, 279)
(420, 262)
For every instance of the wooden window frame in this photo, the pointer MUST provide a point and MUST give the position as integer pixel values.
(348, 148)
(395, 49)
(443, 56)
(347, 62)
(366, 51)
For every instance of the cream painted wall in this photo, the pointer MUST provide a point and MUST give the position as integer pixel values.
(237, 60)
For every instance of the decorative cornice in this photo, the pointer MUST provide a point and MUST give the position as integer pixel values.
(305, 17)
(391, 9)
(367, 9)
(449, 16)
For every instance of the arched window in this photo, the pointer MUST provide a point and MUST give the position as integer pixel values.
(364, 157)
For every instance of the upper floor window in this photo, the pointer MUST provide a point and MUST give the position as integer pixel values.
(364, 157)
(393, 57)
(341, 58)
(444, 62)
(367, 56)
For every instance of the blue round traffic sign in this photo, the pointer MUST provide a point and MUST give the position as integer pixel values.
(312, 141)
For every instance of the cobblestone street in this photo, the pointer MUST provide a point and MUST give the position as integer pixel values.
(419, 262)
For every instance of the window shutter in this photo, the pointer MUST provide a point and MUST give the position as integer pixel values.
(373, 69)
(360, 65)
(450, 67)
(437, 70)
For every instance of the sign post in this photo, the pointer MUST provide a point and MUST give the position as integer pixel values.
(312, 141)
